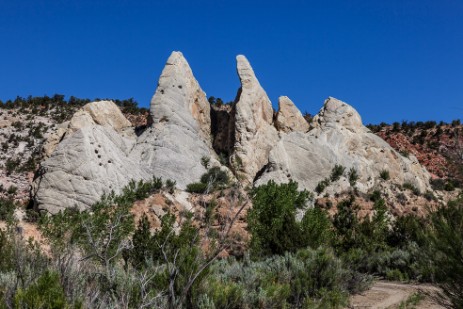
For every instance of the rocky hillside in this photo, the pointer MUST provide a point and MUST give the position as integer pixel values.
(438, 146)
(86, 149)
(29, 125)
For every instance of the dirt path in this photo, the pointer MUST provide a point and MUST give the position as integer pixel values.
(384, 294)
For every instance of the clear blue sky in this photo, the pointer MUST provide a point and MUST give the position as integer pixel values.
(390, 59)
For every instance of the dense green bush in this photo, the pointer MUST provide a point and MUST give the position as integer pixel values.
(215, 178)
(309, 278)
(196, 187)
(272, 219)
(170, 185)
(317, 228)
(7, 207)
(353, 176)
(337, 172)
(379, 245)
(322, 185)
(46, 293)
(445, 250)
(141, 189)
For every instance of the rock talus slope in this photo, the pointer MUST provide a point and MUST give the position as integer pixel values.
(339, 137)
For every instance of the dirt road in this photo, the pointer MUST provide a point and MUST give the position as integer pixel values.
(384, 294)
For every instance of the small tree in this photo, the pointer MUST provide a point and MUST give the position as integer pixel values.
(272, 219)
(347, 225)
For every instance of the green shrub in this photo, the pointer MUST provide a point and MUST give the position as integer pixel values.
(184, 266)
(215, 177)
(375, 196)
(12, 190)
(196, 187)
(12, 165)
(6, 249)
(353, 176)
(7, 207)
(46, 293)
(317, 228)
(322, 185)
(337, 172)
(205, 162)
(346, 225)
(449, 186)
(404, 153)
(384, 174)
(141, 190)
(437, 184)
(170, 185)
(308, 278)
(272, 219)
(396, 275)
(411, 187)
(445, 238)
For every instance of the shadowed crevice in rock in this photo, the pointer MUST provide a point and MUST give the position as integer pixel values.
(222, 129)
(261, 172)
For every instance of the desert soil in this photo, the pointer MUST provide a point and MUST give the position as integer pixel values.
(384, 294)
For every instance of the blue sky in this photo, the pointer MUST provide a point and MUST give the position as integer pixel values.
(392, 60)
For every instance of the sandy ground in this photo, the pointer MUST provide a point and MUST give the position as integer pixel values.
(384, 294)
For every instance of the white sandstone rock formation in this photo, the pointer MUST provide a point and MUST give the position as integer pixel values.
(103, 113)
(98, 151)
(179, 137)
(339, 137)
(255, 134)
(289, 118)
(91, 162)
